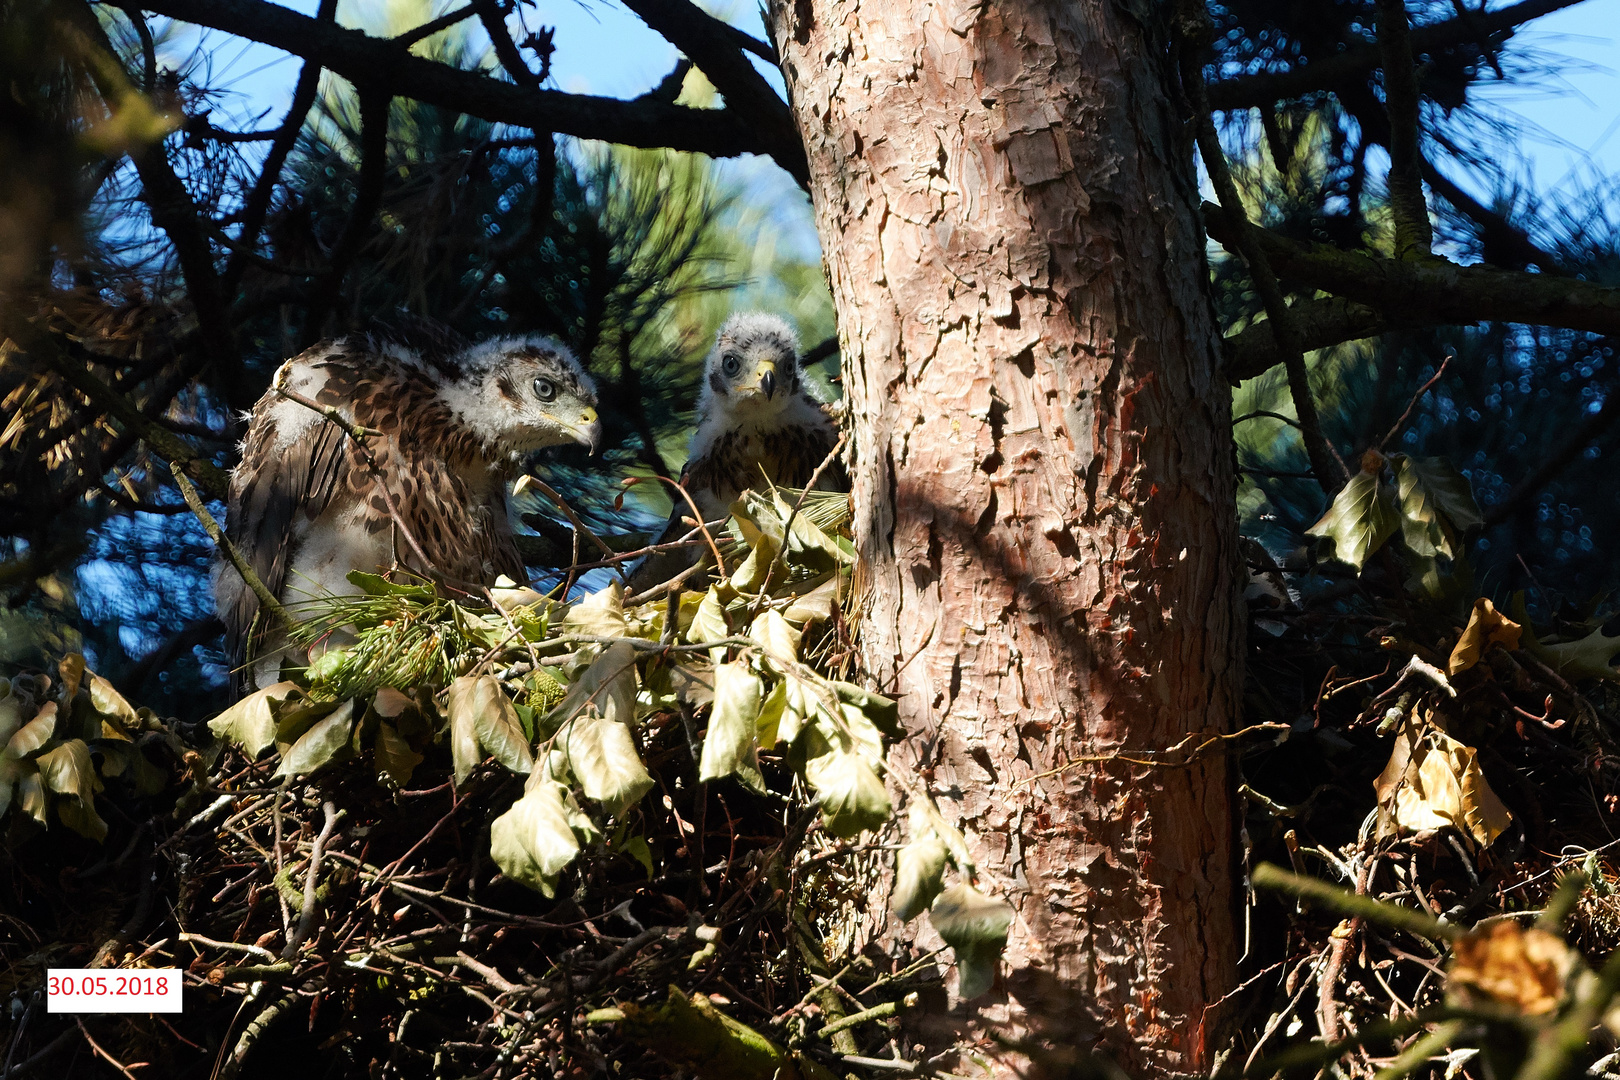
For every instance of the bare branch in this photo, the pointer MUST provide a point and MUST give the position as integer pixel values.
(1330, 470)
(1413, 236)
(1322, 323)
(1435, 292)
(713, 47)
(1251, 91)
(284, 139)
(389, 69)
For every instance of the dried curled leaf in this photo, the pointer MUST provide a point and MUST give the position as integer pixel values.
(975, 927)
(1432, 781)
(1486, 627)
(1363, 516)
(1500, 963)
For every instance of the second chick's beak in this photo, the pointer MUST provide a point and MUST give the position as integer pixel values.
(589, 431)
(767, 381)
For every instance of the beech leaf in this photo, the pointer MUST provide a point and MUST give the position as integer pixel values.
(767, 729)
(602, 755)
(733, 721)
(919, 873)
(249, 723)
(851, 796)
(394, 757)
(777, 639)
(1363, 516)
(1432, 781)
(709, 623)
(496, 724)
(326, 739)
(600, 614)
(32, 735)
(533, 842)
(1486, 627)
(975, 927)
(67, 770)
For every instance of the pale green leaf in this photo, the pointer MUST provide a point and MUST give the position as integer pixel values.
(80, 816)
(851, 796)
(1591, 657)
(729, 741)
(1436, 504)
(608, 685)
(768, 728)
(635, 847)
(813, 606)
(1363, 516)
(975, 927)
(600, 614)
(31, 792)
(494, 721)
(883, 712)
(111, 704)
(602, 755)
(749, 576)
(777, 639)
(919, 872)
(323, 742)
(464, 752)
(533, 842)
(807, 545)
(709, 624)
(249, 723)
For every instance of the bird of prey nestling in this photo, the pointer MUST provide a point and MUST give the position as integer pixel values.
(453, 422)
(757, 422)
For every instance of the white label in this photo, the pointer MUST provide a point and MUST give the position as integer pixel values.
(112, 990)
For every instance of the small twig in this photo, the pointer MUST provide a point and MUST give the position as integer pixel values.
(267, 599)
(306, 917)
(1267, 876)
(876, 1012)
(114, 1062)
(1417, 397)
(228, 946)
(254, 1031)
(1265, 414)
(697, 519)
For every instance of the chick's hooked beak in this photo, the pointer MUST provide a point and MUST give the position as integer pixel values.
(767, 380)
(588, 432)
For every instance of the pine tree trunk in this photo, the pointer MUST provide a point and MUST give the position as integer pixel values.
(1043, 484)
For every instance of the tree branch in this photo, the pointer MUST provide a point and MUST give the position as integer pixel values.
(1251, 91)
(392, 70)
(1413, 236)
(1501, 236)
(324, 294)
(1321, 323)
(44, 348)
(1434, 291)
(1329, 469)
(714, 48)
(285, 138)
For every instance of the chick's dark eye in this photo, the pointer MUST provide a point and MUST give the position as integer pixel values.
(545, 390)
(731, 364)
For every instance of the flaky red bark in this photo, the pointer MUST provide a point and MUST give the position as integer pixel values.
(1043, 482)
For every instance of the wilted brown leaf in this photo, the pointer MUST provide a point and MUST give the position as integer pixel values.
(1501, 963)
(1433, 781)
(1486, 627)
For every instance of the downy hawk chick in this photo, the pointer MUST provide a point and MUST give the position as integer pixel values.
(756, 421)
(456, 422)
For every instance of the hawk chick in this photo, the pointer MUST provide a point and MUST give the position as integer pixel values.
(756, 420)
(456, 422)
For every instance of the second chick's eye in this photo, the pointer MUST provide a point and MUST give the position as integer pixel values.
(545, 390)
(731, 364)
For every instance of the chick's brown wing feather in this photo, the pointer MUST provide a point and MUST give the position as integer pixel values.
(271, 490)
